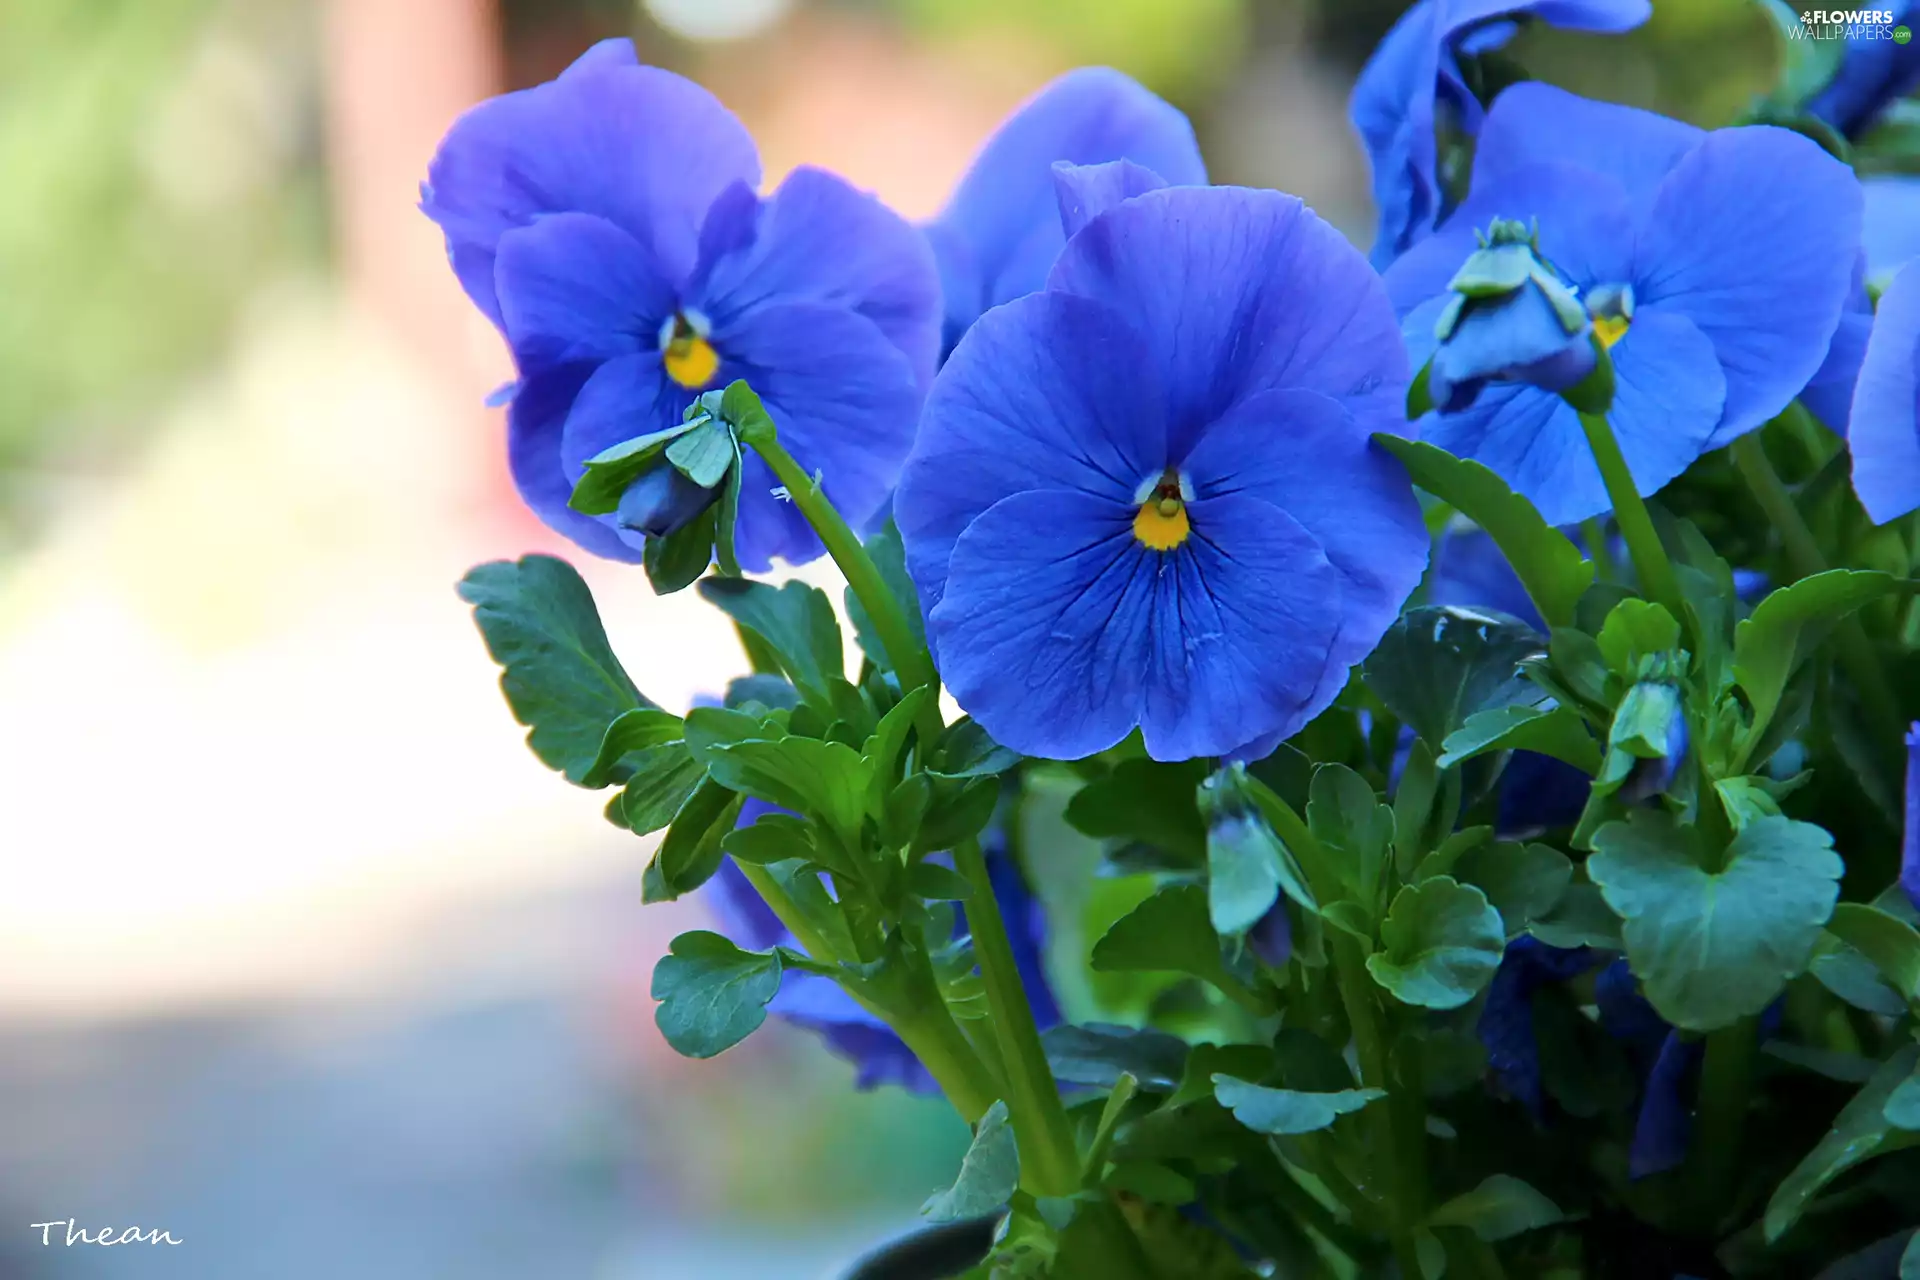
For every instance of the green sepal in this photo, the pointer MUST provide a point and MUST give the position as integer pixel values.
(612, 471)
(675, 562)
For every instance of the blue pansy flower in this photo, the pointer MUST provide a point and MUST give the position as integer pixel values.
(609, 223)
(999, 234)
(1874, 70)
(1885, 436)
(821, 1006)
(1506, 1019)
(1716, 265)
(1146, 497)
(1413, 84)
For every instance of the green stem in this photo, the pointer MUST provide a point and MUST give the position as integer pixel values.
(1594, 532)
(1310, 1212)
(930, 1031)
(1049, 1157)
(1726, 1085)
(911, 661)
(1804, 558)
(1400, 1155)
(1650, 562)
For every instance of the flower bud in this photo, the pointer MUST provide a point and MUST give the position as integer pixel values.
(1511, 319)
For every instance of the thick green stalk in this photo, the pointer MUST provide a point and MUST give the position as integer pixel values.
(1854, 650)
(1048, 1153)
(1726, 1086)
(1650, 562)
(930, 1032)
(911, 661)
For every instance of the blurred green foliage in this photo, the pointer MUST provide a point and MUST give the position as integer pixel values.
(157, 167)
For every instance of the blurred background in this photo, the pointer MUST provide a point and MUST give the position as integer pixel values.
(303, 958)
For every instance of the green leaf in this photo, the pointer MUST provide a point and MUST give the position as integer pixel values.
(558, 672)
(1351, 826)
(1890, 943)
(989, 1172)
(1711, 948)
(1149, 801)
(890, 558)
(1500, 1207)
(1636, 630)
(1170, 932)
(1581, 918)
(936, 883)
(959, 811)
(1441, 943)
(795, 621)
(966, 751)
(1287, 1111)
(663, 778)
(1550, 729)
(1902, 1108)
(1150, 1181)
(690, 852)
(726, 520)
(675, 562)
(1098, 1054)
(1910, 1256)
(1439, 665)
(1548, 565)
(1241, 1061)
(1859, 1133)
(775, 837)
(1788, 625)
(712, 994)
(633, 732)
(806, 775)
(1848, 974)
(1524, 882)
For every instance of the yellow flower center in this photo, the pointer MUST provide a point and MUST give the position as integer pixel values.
(689, 358)
(1610, 329)
(1161, 523)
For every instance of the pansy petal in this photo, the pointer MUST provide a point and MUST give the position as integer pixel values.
(1829, 393)
(1237, 291)
(535, 422)
(1534, 123)
(817, 239)
(1532, 440)
(1242, 621)
(626, 397)
(1050, 391)
(1667, 394)
(1885, 434)
(845, 401)
(642, 147)
(1044, 632)
(1392, 111)
(1890, 227)
(573, 286)
(1005, 213)
(1753, 237)
(1088, 190)
(1314, 459)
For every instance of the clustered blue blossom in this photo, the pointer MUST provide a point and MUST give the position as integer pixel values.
(1125, 419)
(610, 224)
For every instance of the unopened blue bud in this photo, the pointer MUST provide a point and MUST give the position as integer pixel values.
(1511, 319)
(663, 501)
